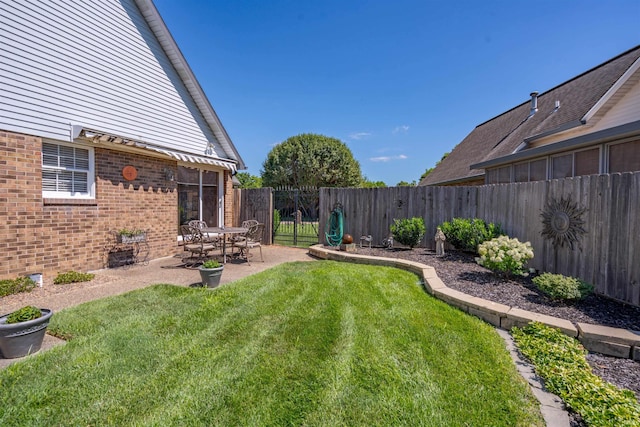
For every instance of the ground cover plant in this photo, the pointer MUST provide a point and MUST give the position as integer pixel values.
(560, 360)
(15, 286)
(319, 343)
(72, 277)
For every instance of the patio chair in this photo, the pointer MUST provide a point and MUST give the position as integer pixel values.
(247, 223)
(194, 242)
(208, 237)
(252, 239)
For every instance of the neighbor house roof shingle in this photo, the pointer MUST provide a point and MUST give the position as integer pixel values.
(502, 135)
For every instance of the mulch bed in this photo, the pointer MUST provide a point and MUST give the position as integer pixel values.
(458, 270)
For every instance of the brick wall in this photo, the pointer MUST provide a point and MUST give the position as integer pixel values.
(55, 235)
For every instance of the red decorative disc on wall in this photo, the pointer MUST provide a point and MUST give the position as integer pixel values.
(129, 173)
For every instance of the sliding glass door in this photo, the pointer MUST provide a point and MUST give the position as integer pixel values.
(198, 196)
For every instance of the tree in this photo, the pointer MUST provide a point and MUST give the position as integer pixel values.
(249, 181)
(371, 184)
(311, 160)
(406, 184)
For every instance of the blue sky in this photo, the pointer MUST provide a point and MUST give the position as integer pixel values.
(400, 82)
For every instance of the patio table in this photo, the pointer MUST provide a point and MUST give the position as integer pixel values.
(224, 232)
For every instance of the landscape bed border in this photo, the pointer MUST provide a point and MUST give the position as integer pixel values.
(617, 342)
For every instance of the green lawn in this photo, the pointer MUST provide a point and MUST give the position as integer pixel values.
(319, 343)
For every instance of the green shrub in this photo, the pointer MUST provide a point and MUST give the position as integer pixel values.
(466, 234)
(25, 314)
(408, 231)
(560, 287)
(560, 360)
(15, 286)
(276, 219)
(72, 277)
(504, 255)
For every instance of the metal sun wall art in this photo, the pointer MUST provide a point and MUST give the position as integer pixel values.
(562, 222)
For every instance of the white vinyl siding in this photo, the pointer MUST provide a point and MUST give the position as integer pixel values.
(94, 63)
(67, 171)
(626, 110)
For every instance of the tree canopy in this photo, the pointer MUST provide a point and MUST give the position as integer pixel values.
(249, 181)
(372, 184)
(311, 160)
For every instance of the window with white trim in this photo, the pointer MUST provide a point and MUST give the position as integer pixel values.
(67, 171)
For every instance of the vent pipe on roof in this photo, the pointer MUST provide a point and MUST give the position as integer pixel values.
(534, 103)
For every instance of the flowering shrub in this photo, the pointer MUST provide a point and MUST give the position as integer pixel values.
(505, 255)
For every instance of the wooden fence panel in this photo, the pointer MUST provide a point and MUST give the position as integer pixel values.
(604, 255)
(254, 203)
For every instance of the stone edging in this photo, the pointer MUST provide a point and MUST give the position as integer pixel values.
(616, 342)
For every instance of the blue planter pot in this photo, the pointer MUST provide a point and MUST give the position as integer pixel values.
(24, 338)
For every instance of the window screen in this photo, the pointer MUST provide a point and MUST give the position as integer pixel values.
(562, 166)
(624, 157)
(587, 162)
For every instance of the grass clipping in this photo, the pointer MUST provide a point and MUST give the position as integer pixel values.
(560, 360)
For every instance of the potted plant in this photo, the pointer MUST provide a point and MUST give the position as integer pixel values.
(22, 332)
(131, 236)
(210, 273)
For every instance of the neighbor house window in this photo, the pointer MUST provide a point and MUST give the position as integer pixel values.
(624, 157)
(67, 171)
(562, 166)
(538, 170)
(198, 196)
(535, 170)
(521, 172)
(587, 162)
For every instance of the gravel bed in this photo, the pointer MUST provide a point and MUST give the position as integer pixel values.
(458, 270)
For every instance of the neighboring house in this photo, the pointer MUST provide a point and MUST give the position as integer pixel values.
(103, 126)
(587, 125)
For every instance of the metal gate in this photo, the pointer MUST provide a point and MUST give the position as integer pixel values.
(295, 216)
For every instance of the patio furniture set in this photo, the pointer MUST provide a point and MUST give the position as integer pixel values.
(202, 241)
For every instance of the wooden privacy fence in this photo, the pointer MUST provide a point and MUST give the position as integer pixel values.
(604, 256)
(254, 203)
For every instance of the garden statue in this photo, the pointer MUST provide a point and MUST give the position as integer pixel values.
(440, 239)
(366, 238)
(388, 242)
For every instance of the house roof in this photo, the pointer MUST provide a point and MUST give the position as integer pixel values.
(585, 97)
(162, 33)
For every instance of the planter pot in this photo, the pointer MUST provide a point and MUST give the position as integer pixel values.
(211, 276)
(24, 338)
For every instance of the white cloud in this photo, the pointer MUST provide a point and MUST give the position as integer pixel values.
(388, 158)
(401, 129)
(359, 135)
